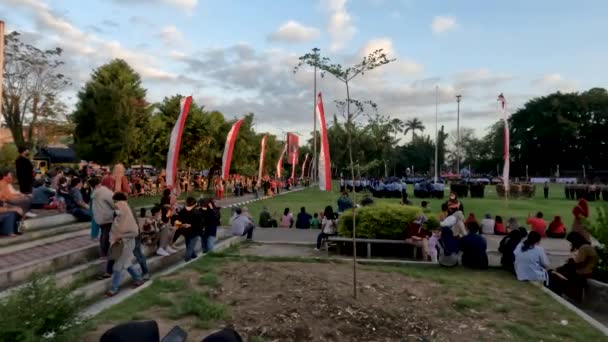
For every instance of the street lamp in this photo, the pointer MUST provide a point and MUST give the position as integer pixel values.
(458, 97)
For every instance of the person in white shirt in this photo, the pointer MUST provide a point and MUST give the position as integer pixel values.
(487, 224)
(329, 226)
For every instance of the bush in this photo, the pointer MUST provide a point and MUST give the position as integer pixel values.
(40, 311)
(599, 230)
(8, 155)
(380, 221)
(431, 223)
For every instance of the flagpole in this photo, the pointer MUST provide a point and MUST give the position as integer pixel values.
(436, 131)
(314, 116)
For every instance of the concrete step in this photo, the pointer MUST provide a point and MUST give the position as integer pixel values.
(48, 221)
(42, 236)
(79, 264)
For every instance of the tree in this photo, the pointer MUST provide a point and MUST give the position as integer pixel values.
(112, 116)
(32, 85)
(345, 75)
(413, 125)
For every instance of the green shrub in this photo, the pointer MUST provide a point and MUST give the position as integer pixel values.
(40, 311)
(599, 230)
(431, 223)
(380, 221)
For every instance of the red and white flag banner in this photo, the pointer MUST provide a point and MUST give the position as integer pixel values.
(280, 162)
(262, 152)
(507, 141)
(304, 166)
(229, 147)
(176, 141)
(324, 158)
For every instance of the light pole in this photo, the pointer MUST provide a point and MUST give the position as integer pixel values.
(458, 97)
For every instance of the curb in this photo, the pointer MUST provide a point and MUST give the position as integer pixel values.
(592, 321)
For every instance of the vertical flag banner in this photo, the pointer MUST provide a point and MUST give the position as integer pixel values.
(505, 171)
(324, 159)
(262, 152)
(176, 140)
(293, 142)
(280, 162)
(304, 166)
(229, 147)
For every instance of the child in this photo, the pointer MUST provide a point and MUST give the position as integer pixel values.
(314, 223)
(433, 243)
(425, 207)
(148, 228)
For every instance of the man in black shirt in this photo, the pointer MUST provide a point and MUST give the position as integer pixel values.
(25, 171)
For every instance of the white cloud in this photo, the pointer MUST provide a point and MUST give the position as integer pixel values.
(340, 27)
(294, 32)
(555, 81)
(479, 78)
(401, 65)
(442, 24)
(186, 5)
(91, 49)
(171, 36)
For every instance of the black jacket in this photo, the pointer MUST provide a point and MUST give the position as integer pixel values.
(25, 174)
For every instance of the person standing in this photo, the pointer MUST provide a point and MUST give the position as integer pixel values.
(122, 242)
(103, 212)
(211, 219)
(581, 213)
(121, 182)
(546, 190)
(191, 226)
(25, 171)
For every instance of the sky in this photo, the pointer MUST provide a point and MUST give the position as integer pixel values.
(237, 56)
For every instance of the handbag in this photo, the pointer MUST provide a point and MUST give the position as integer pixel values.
(115, 250)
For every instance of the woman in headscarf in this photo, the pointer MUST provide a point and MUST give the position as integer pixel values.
(122, 240)
(448, 248)
(556, 228)
(581, 213)
(121, 183)
(454, 204)
(507, 247)
(571, 278)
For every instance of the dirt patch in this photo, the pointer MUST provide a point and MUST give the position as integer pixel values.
(314, 302)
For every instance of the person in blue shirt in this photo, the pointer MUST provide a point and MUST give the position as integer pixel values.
(531, 262)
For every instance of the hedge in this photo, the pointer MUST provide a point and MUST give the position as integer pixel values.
(380, 221)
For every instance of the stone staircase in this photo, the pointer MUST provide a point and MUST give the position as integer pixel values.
(57, 245)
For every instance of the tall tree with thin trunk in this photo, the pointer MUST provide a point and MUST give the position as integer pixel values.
(31, 87)
(345, 75)
(413, 125)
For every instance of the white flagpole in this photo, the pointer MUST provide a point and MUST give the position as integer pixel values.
(436, 131)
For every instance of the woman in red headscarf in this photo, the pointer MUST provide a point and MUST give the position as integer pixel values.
(556, 228)
(581, 213)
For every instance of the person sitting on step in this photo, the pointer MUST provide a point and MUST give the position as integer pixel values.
(556, 228)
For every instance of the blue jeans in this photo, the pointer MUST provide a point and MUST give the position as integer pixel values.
(257, 195)
(208, 242)
(190, 246)
(8, 223)
(117, 275)
(141, 258)
(82, 215)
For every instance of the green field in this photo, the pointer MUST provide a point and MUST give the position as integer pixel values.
(315, 201)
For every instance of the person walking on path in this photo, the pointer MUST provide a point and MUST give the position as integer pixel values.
(211, 219)
(546, 190)
(25, 171)
(122, 242)
(103, 212)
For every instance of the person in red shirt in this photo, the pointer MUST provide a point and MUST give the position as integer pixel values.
(537, 224)
(499, 226)
(556, 228)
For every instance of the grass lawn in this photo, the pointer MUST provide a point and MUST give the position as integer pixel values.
(287, 299)
(315, 201)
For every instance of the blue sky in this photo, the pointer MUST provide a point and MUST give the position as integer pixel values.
(237, 56)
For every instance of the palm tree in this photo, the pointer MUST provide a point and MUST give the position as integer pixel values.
(397, 126)
(413, 125)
